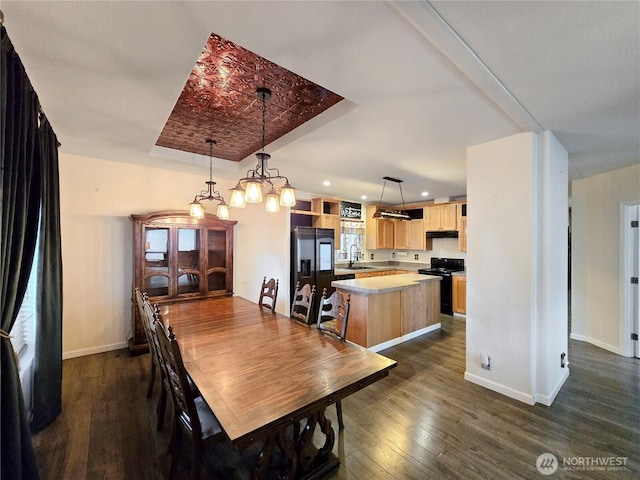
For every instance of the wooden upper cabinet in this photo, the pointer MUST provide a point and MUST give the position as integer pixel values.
(176, 258)
(416, 235)
(441, 217)
(383, 233)
(329, 216)
(379, 231)
(401, 235)
(409, 235)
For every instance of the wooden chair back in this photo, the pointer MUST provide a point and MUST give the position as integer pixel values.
(141, 300)
(269, 293)
(147, 320)
(183, 400)
(334, 307)
(302, 302)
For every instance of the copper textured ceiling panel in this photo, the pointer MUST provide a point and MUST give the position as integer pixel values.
(219, 101)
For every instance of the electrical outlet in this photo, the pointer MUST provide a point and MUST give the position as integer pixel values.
(372, 256)
(563, 360)
(485, 361)
(416, 257)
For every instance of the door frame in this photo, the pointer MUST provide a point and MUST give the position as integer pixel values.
(628, 211)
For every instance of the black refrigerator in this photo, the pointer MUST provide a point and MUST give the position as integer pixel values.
(312, 261)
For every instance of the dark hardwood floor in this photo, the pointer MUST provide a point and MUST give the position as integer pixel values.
(423, 421)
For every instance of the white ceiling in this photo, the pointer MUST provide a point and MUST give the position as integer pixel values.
(422, 81)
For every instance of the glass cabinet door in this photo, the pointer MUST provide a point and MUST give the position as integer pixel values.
(188, 260)
(156, 262)
(217, 260)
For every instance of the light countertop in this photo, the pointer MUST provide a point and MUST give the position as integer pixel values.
(383, 284)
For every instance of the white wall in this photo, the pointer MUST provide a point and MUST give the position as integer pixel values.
(97, 197)
(514, 259)
(595, 251)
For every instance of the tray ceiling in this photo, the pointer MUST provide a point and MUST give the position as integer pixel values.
(219, 101)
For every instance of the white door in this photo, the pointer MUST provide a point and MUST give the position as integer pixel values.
(635, 274)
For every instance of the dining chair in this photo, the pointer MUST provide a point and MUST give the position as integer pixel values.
(269, 293)
(334, 308)
(191, 414)
(302, 302)
(141, 299)
(148, 316)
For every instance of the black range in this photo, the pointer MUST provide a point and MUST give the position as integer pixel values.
(444, 267)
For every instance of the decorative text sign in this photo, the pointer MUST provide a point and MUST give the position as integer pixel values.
(350, 210)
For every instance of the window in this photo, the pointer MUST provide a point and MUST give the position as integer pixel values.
(351, 233)
(23, 331)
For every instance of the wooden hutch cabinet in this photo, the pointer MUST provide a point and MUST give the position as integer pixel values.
(178, 258)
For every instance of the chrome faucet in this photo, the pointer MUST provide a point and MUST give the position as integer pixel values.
(351, 254)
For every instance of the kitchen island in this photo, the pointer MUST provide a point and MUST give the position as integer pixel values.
(391, 309)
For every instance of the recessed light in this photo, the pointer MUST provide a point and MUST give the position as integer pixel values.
(424, 194)
(326, 183)
(363, 197)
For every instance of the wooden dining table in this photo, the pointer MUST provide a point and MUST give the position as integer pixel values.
(262, 373)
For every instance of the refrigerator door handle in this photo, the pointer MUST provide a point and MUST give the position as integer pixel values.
(305, 267)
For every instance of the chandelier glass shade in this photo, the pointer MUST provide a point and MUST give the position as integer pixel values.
(249, 188)
(196, 209)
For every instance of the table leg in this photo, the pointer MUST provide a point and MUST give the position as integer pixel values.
(287, 448)
(305, 460)
(325, 427)
(314, 459)
(263, 459)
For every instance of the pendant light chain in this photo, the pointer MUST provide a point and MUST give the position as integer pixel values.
(249, 188)
(196, 209)
(264, 115)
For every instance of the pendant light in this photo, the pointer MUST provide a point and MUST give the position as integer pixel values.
(249, 188)
(391, 214)
(196, 209)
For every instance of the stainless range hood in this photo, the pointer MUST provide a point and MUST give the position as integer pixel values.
(442, 234)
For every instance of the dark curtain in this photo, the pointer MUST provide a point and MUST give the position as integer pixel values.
(22, 166)
(47, 381)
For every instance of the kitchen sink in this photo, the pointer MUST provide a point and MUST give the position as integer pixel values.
(358, 267)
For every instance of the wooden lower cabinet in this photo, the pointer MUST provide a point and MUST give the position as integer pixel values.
(459, 294)
(378, 318)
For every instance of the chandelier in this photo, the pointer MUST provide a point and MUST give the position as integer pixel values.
(389, 213)
(196, 208)
(249, 188)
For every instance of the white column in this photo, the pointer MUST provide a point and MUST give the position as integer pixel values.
(517, 265)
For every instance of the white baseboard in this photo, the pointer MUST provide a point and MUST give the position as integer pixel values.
(90, 351)
(548, 399)
(404, 338)
(597, 343)
(497, 387)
